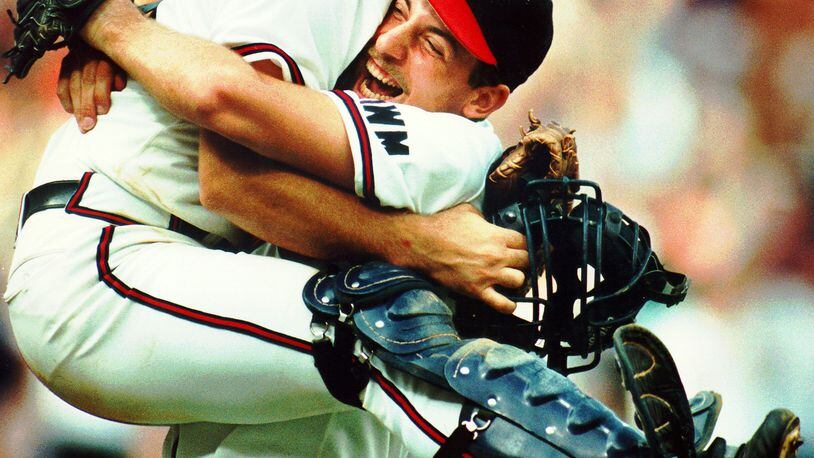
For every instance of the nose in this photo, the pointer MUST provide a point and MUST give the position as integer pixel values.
(393, 43)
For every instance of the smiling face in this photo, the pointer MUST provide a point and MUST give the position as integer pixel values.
(415, 60)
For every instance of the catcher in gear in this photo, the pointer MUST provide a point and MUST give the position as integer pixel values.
(399, 318)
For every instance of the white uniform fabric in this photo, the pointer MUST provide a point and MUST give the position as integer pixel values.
(403, 156)
(126, 318)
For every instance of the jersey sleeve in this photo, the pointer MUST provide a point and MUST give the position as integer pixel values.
(405, 157)
(312, 41)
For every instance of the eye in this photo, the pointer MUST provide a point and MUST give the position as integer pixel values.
(399, 10)
(435, 47)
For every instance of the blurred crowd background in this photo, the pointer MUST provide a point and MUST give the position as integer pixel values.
(696, 117)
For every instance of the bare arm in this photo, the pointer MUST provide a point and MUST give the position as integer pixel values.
(457, 248)
(214, 88)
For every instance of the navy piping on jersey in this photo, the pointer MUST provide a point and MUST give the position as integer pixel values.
(231, 324)
(174, 223)
(254, 48)
(74, 207)
(368, 184)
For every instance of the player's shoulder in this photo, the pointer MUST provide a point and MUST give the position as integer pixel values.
(388, 112)
(450, 127)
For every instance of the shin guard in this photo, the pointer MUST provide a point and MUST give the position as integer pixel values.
(532, 410)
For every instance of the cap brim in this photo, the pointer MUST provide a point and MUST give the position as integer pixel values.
(459, 19)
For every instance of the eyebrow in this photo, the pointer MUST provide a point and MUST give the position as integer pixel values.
(440, 31)
(444, 33)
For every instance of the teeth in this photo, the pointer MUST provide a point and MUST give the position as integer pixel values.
(367, 93)
(379, 74)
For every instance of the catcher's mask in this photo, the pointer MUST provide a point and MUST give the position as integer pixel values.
(591, 270)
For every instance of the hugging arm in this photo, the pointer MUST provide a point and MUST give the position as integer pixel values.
(213, 87)
(457, 247)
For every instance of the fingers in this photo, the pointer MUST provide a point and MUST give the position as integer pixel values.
(497, 301)
(511, 278)
(86, 79)
(75, 88)
(63, 85)
(85, 112)
(515, 240)
(119, 78)
(102, 86)
(517, 259)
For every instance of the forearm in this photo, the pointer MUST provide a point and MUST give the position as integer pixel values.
(296, 212)
(213, 87)
(179, 82)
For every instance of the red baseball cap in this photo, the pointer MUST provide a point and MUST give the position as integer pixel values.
(512, 35)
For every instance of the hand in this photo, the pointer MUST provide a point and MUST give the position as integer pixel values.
(463, 252)
(86, 80)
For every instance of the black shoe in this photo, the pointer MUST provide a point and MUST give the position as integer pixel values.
(777, 437)
(651, 377)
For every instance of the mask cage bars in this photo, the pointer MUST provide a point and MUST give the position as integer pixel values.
(546, 203)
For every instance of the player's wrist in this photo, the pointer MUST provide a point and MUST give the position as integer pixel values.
(411, 236)
(110, 24)
(396, 241)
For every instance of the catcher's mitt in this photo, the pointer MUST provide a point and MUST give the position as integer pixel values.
(543, 152)
(39, 24)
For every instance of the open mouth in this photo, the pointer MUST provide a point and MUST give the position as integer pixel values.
(378, 84)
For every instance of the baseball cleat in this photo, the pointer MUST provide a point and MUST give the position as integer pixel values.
(651, 377)
(782, 425)
(777, 437)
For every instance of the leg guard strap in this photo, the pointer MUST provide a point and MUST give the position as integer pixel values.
(343, 374)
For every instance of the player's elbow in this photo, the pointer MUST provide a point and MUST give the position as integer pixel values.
(213, 192)
(217, 101)
(209, 104)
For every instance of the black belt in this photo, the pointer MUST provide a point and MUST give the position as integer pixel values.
(57, 194)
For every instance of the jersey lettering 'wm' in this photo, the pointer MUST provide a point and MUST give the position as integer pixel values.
(387, 114)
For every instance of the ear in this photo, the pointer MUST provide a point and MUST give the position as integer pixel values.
(485, 100)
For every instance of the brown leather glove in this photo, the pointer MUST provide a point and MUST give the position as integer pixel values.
(549, 151)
